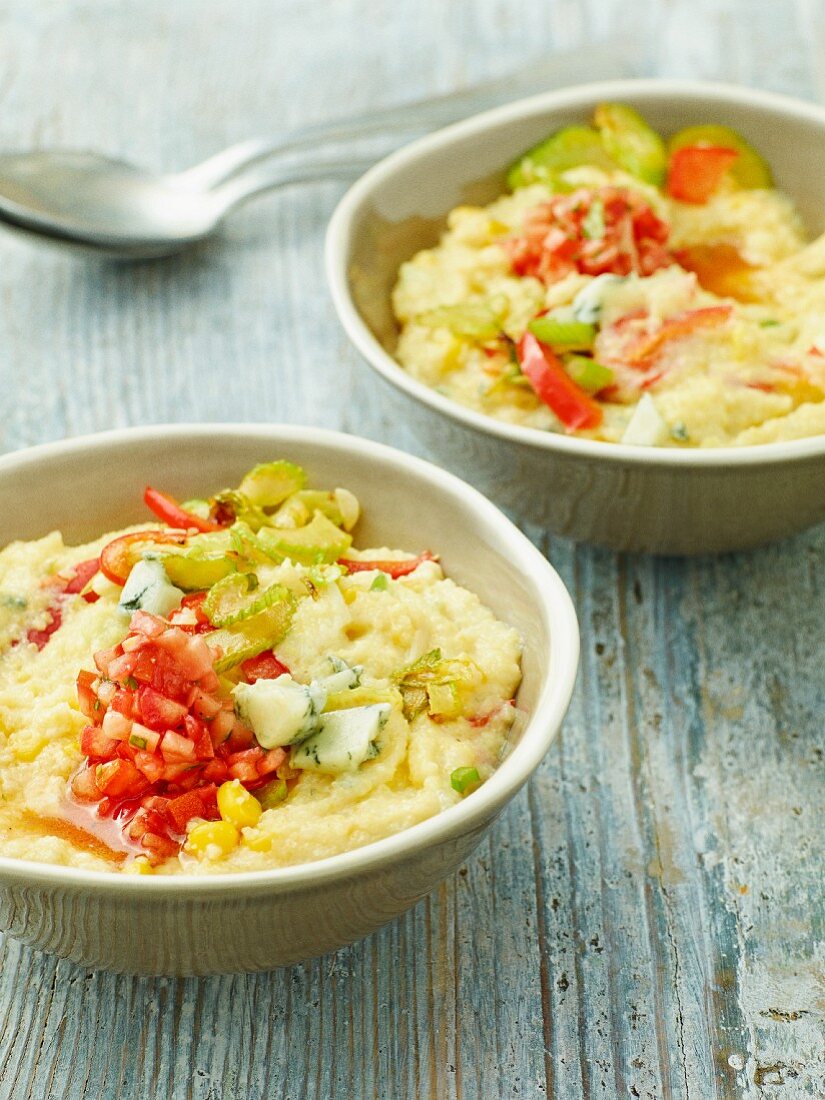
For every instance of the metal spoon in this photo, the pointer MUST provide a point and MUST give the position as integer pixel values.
(118, 210)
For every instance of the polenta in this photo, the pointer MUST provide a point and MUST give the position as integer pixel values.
(238, 688)
(627, 290)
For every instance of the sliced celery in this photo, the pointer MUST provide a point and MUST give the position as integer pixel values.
(270, 483)
(568, 148)
(319, 541)
(298, 509)
(563, 334)
(238, 597)
(193, 570)
(588, 373)
(478, 319)
(246, 639)
(631, 143)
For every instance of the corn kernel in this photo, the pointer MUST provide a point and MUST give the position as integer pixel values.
(350, 595)
(221, 836)
(257, 841)
(237, 805)
(140, 865)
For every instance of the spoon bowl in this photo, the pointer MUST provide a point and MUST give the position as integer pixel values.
(103, 204)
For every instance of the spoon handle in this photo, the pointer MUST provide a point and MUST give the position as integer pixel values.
(273, 174)
(609, 59)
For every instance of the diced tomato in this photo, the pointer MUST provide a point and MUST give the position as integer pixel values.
(40, 637)
(215, 771)
(157, 711)
(177, 749)
(575, 408)
(87, 698)
(149, 764)
(696, 171)
(191, 606)
(95, 743)
(592, 231)
(204, 706)
(221, 726)
(266, 665)
(271, 761)
(241, 737)
(394, 569)
(182, 809)
(120, 779)
(168, 509)
(116, 558)
(84, 787)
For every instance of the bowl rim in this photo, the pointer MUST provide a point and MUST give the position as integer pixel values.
(539, 732)
(339, 234)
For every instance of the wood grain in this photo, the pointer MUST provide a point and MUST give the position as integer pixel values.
(647, 919)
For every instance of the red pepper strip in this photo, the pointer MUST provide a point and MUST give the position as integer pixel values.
(83, 573)
(116, 559)
(265, 666)
(696, 171)
(394, 569)
(677, 327)
(552, 384)
(168, 509)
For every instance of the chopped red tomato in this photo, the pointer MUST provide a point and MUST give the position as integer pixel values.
(265, 666)
(40, 637)
(160, 737)
(675, 328)
(592, 231)
(394, 569)
(116, 558)
(190, 615)
(696, 171)
(575, 408)
(168, 509)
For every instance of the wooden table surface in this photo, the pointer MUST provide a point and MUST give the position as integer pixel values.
(646, 920)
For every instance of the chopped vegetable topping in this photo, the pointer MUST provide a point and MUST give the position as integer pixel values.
(574, 407)
(554, 243)
(696, 171)
(464, 780)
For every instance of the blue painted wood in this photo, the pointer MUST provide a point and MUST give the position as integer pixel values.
(646, 920)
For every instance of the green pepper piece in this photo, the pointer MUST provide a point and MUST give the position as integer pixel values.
(749, 170)
(319, 541)
(270, 483)
(563, 335)
(571, 147)
(631, 143)
(587, 373)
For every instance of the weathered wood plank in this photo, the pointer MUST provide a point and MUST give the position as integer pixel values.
(647, 919)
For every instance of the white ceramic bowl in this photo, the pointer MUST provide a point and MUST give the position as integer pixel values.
(188, 925)
(656, 500)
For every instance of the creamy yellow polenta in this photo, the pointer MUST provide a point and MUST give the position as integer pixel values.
(363, 618)
(758, 377)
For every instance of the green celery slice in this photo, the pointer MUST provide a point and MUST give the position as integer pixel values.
(570, 147)
(319, 541)
(562, 334)
(246, 639)
(298, 509)
(242, 508)
(631, 143)
(238, 597)
(749, 170)
(588, 373)
(478, 319)
(270, 483)
(193, 570)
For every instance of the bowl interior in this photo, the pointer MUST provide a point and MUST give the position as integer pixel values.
(401, 208)
(91, 486)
